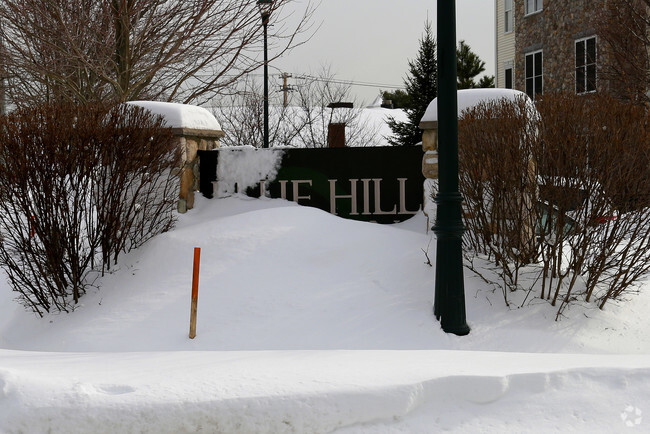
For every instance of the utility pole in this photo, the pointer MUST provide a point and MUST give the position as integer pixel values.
(285, 88)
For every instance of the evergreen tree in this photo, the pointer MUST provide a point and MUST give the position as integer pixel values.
(469, 65)
(422, 87)
(399, 98)
(486, 81)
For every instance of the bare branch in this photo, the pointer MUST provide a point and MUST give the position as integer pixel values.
(96, 50)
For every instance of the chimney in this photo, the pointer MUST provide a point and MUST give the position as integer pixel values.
(336, 130)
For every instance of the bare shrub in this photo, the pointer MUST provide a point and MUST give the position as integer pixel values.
(78, 185)
(580, 178)
(595, 161)
(134, 187)
(497, 180)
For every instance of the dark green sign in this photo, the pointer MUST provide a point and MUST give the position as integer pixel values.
(382, 184)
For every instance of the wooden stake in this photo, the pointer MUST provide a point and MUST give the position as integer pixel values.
(195, 291)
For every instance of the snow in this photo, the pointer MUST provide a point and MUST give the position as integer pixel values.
(243, 167)
(379, 100)
(311, 323)
(378, 118)
(468, 98)
(181, 115)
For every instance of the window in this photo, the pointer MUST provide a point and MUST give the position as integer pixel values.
(586, 65)
(534, 79)
(507, 26)
(508, 78)
(533, 6)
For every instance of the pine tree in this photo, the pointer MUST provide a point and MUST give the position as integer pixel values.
(422, 87)
(399, 98)
(468, 66)
(486, 81)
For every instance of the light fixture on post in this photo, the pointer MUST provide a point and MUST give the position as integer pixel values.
(265, 7)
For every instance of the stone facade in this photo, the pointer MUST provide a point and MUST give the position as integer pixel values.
(554, 30)
(430, 148)
(191, 141)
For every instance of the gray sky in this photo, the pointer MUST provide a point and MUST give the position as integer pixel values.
(371, 41)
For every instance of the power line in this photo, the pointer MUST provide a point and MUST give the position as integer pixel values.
(333, 80)
(350, 82)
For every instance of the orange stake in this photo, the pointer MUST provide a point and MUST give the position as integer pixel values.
(195, 291)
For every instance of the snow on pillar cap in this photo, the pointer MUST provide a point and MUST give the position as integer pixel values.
(468, 98)
(181, 116)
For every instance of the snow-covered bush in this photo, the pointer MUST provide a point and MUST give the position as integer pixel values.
(567, 199)
(79, 185)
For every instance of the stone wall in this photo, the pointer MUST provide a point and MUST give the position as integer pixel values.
(554, 30)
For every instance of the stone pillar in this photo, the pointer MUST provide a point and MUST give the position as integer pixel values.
(191, 141)
(429, 168)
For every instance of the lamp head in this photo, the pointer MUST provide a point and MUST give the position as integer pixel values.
(265, 7)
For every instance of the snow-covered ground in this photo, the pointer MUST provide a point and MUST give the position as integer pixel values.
(309, 323)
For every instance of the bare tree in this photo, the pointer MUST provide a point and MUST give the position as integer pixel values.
(3, 73)
(314, 93)
(89, 50)
(624, 27)
(303, 123)
(242, 115)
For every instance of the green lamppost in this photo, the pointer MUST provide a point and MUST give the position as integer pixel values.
(449, 300)
(265, 7)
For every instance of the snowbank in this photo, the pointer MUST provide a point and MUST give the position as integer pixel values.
(319, 392)
(312, 323)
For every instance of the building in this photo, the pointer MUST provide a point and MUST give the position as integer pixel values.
(505, 44)
(550, 45)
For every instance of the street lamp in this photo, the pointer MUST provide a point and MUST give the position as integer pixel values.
(449, 301)
(265, 7)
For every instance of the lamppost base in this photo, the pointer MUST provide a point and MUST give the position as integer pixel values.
(449, 299)
(458, 330)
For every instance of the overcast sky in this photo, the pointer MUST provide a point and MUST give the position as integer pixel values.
(371, 41)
